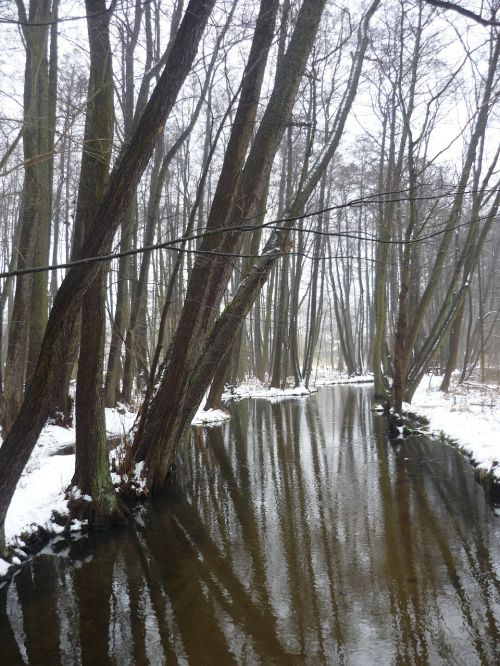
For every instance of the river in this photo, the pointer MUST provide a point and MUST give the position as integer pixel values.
(296, 533)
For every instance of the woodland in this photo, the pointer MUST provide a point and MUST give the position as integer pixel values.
(194, 193)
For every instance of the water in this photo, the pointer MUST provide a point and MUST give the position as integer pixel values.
(295, 534)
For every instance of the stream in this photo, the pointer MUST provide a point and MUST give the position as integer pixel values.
(296, 533)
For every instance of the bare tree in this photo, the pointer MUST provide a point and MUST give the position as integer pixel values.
(24, 433)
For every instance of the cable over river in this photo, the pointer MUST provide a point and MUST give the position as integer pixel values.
(294, 534)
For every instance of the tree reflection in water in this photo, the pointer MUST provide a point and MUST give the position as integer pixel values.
(294, 534)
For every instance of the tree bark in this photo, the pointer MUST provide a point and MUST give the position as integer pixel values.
(27, 317)
(92, 477)
(209, 278)
(23, 435)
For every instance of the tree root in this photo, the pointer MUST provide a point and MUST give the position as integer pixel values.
(97, 513)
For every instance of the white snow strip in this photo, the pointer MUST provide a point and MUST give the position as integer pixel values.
(329, 378)
(254, 389)
(468, 414)
(209, 416)
(41, 488)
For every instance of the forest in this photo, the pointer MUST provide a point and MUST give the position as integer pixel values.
(195, 194)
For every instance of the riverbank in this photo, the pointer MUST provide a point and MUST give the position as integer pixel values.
(253, 388)
(468, 417)
(40, 493)
(296, 533)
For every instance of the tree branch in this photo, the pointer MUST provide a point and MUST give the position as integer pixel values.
(443, 4)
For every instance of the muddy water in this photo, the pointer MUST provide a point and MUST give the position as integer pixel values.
(295, 534)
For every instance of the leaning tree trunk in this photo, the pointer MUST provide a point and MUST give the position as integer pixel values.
(199, 342)
(172, 406)
(23, 435)
(135, 342)
(232, 356)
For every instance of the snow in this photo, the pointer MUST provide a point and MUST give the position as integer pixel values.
(38, 494)
(255, 389)
(209, 416)
(468, 414)
(77, 525)
(328, 377)
(41, 489)
(137, 480)
(325, 376)
(119, 421)
(4, 567)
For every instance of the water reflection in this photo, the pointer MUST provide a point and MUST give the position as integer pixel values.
(295, 534)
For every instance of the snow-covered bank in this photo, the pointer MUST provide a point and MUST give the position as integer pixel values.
(209, 416)
(253, 388)
(40, 491)
(469, 416)
(331, 378)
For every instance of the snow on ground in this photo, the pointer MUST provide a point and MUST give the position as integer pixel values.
(328, 377)
(208, 416)
(325, 376)
(119, 421)
(38, 494)
(48, 473)
(469, 415)
(253, 388)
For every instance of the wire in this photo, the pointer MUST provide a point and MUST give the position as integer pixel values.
(276, 224)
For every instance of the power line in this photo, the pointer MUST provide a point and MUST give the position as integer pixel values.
(276, 224)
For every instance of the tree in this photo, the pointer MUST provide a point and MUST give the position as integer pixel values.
(423, 301)
(24, 433)
(408, 375)
(92, 477)
(30, 302)
(201, 339)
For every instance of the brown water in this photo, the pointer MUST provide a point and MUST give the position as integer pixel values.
(295, 534)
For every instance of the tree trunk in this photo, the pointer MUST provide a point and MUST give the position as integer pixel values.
(209, 278)
(120, 321)
(27, 316)
(23, 435)
(451, 364)
(280, 325)
(92, 477)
